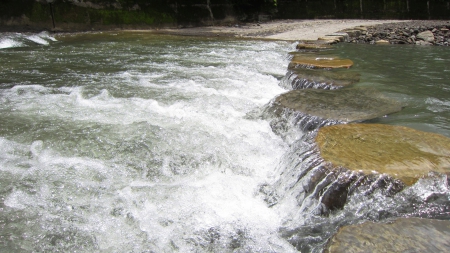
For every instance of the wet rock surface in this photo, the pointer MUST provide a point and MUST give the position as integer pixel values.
(400, 152)
(343, 105)
(316, 62)
(419, 32)
(403, 235)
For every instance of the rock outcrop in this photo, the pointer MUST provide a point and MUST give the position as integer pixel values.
(400, 152)
(419, 32)
(343, 105)
(312, 62)
(301, 78)
(403, 235)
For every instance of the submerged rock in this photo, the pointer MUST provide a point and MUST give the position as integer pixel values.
(313, 46)
(403, 235)
(298, 111)
(314, 62)
(400, 152)
(343, 105)
(301, 78)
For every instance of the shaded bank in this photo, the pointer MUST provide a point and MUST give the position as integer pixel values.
(135, 14)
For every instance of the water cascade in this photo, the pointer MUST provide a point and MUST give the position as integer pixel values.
(319, 197)
(132, 142)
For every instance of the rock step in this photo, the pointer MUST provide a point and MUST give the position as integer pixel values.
(314, 62)
(403, 235)
(400, 152)
(344, 105)
(302, 78)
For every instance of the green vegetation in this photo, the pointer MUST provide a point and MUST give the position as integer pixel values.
(195, 12)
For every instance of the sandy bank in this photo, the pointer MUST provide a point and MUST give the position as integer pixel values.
(290, 30)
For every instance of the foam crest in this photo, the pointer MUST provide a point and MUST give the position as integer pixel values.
(8, 43)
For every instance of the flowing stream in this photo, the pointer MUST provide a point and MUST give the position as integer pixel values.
(133, 142)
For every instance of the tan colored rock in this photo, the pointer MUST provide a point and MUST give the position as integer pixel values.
(353, 32)
(381, 42)
(400, 152)
(339, 38)
(332, 39)
(343, 105)
(361, 28)
(313, 46)
(404, 235)
(309, 61)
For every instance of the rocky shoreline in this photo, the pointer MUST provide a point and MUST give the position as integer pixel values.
(418, 32)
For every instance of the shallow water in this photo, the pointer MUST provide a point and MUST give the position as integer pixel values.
(131, 142)
(418, 76)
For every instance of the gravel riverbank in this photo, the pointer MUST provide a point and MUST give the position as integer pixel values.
(419, 32)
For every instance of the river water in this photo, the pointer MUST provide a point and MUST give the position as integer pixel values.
(133, 142)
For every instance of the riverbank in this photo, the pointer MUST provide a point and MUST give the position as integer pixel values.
(289, 30)
(420, 32)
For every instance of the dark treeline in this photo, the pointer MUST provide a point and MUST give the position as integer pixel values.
(93, 14)
(369, 9)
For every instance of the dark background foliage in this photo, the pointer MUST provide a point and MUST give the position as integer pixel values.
(157, 13)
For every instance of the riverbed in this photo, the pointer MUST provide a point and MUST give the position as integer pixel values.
(132, 142)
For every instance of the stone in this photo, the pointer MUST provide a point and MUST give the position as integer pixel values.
(423, 43)
(312, 46)
(329, 39)
(338, 38)
(403, 235)
(342, 105)
(381, 42)
(361, 28)
(400, 152)
(309, 61)
(352, 32)
(300, 78)
(341, 35)
(426, 36)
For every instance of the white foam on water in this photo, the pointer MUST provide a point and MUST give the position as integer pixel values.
(37, 39)
(174, 167)
(9, 43)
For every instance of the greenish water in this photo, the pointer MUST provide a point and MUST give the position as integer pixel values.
(132, 142)
(418, 76)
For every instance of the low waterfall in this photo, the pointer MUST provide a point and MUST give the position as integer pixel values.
(291, 81)
(318, 198)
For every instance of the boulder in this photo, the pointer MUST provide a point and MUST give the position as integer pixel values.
(312, 62)
(400, 152)
(423, 43)
(425, 36)
(342, 105)
(381, 42)
(301, 78)
(352, 32)
(339, 37)
(331, 39)
(311, 46)
(403, 235)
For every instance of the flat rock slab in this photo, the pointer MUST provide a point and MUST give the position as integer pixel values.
(401, 152)
(342, 105)
(310, 46)
(404, 235)
(320, 77)
(321, 62)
